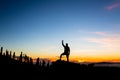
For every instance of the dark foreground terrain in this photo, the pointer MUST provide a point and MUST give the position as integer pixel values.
(14, 69)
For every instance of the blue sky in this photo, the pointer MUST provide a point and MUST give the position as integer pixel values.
(37, 27)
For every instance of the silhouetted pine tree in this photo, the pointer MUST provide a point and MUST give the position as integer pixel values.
(37, 61)
(14, 55)
(20, 58)
(31, 60)
(10, 54)
(1, 52)
(7, 53)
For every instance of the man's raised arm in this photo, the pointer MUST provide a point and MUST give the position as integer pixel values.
(63, 44)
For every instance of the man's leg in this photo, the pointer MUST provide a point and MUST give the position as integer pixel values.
(67, 58)
(61, 56)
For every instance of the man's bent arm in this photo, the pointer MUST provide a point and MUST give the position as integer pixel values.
(69, 51)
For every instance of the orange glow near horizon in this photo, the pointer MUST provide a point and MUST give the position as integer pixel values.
(78, 59)
(76, 56)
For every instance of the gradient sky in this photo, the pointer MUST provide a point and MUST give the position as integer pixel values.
(37, 27)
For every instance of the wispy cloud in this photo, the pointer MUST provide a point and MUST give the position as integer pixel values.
(113, 6)
(107, 40)
(99, 33)
(105, 34)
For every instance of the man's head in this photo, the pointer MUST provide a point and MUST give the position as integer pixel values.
(66, 44)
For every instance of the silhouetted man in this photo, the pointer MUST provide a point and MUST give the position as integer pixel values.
(66, 51)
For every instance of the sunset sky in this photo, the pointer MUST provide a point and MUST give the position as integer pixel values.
(36, 27)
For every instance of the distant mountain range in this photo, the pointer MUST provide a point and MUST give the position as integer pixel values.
(102, 64)
(107, 64)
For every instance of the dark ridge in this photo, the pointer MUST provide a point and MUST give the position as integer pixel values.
(59, 69)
